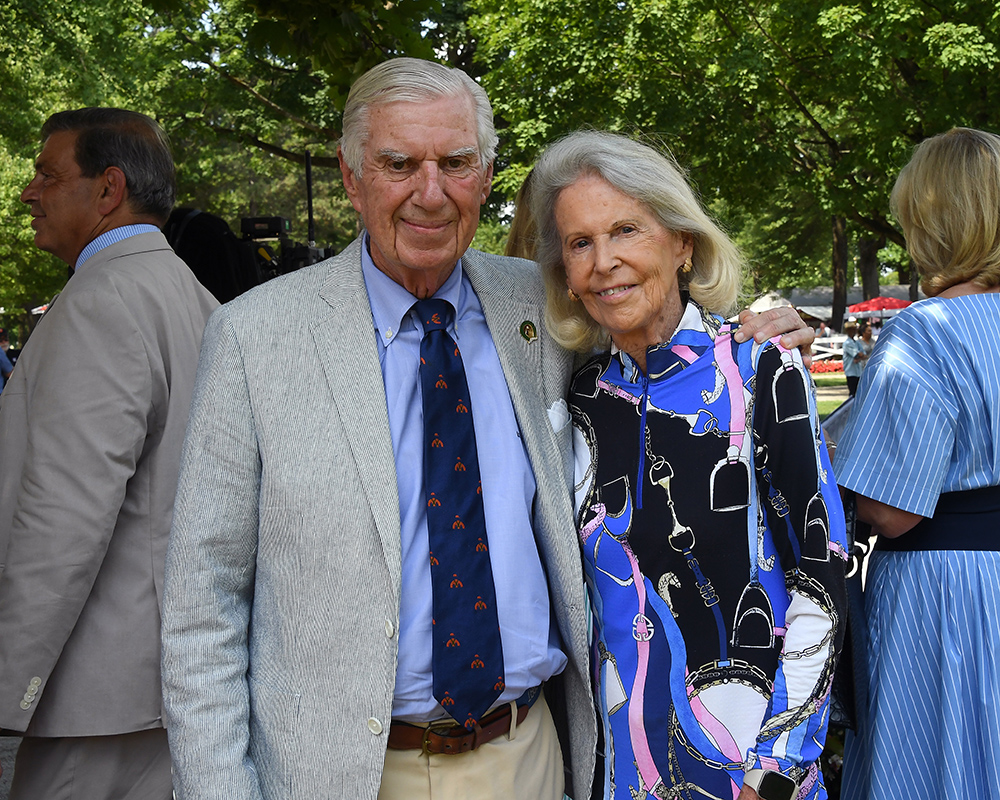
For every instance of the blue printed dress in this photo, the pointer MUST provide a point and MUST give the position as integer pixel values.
(927, 421)
(714, 548)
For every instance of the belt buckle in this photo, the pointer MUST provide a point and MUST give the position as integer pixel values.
(438, 725)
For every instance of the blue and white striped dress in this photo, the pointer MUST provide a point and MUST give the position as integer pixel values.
(927, 421)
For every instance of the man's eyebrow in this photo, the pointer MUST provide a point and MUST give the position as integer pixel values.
(392, 155)
(463, 151)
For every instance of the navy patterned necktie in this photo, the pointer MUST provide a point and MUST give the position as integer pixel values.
(467, 653)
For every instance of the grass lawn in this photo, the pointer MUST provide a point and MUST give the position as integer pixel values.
(826, 408)
(830, 379)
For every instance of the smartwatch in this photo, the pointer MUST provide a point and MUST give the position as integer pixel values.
(771, 785)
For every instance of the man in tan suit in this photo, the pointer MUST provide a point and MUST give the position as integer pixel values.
(91, 426)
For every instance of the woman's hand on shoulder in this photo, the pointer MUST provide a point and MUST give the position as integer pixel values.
(783, 321)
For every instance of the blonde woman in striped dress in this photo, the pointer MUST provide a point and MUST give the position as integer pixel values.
(922, 452)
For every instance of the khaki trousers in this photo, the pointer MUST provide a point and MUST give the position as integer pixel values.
(525, 764)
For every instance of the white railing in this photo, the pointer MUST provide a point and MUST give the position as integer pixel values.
(832, 346)
(828, 347)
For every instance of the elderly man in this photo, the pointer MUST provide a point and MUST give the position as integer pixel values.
(367, 596)
(91, 427)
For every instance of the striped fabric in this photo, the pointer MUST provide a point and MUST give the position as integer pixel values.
(927, 416)
(927, 421)
(935, 680)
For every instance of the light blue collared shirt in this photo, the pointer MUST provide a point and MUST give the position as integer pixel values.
(111, 237)
(530, 642)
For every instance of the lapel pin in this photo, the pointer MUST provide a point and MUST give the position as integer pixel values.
(528, 331)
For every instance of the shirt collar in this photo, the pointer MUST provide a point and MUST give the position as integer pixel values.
(391, 303)
(691, 332)
(111, 237)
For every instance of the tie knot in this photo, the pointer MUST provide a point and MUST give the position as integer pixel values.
(435, 314)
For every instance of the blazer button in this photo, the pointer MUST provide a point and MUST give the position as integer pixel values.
(390, 629)
(32, 690)
(36, 681)
(28, 698)
(374, 726)
(25, 705)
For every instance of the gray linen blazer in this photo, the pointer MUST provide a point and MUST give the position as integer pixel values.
(91, 427)
(283, 572)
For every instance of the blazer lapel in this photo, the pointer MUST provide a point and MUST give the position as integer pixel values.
(345, 341)
(507, 314)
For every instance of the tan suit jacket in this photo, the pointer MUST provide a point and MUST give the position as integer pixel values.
(91, 426)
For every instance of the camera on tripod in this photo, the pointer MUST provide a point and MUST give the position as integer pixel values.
(290, 256)
(228, 266)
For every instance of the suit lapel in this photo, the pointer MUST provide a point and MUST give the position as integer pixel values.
(345, 341)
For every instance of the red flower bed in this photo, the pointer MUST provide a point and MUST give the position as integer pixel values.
(827, 365)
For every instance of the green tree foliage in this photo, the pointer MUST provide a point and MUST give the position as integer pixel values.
(787, 113)
(240, 110)
(51, 53)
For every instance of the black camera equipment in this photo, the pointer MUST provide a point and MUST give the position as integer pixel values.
(228, 266)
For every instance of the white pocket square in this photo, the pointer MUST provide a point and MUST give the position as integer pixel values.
(559, 415)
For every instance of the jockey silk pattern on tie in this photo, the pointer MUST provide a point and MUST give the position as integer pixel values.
(467, 651)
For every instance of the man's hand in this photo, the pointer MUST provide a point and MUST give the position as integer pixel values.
(775, 321)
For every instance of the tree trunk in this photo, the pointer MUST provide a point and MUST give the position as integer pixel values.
(868, 264)
(904, 274)
(839, 272)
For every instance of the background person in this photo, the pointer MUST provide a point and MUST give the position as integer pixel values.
(922, 452)
(712, 530)
(866, 342)
(91, 426)
(5, 366)
(522, 235)
(854, 358)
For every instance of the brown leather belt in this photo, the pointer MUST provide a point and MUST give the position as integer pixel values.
(447, 738)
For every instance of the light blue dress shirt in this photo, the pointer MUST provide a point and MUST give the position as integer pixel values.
(111, 237)
(530, 642)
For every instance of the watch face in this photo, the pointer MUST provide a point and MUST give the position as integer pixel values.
(775, 786)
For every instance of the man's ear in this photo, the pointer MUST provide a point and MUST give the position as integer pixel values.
(487, 184)
(350, 181)
(113, 191)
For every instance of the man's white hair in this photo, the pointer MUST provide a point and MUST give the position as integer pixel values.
(411, 80)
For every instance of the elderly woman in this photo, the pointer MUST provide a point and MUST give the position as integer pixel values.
(712, 532)
(922, 452)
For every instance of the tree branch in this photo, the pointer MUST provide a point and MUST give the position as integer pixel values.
(878, 224)
(241, 84)
(309, 126)
(273, 149)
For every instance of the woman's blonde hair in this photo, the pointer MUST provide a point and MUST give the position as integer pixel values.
(948, 201)
(656, 181)
(521, 238)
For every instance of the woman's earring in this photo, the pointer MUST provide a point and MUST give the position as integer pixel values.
(688, 265)
(572, 295)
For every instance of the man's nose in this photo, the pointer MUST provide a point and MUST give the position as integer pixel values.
(430, 191)
(30, 193)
